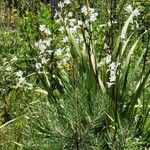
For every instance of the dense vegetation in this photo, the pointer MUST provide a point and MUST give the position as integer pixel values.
(77, 78)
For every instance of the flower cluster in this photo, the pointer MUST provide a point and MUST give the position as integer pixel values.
(129, 9)
(89, 13)
(45, 30)
(62, 4)
(112, 71)
(43, 44)
(61, 54)
(21, 80)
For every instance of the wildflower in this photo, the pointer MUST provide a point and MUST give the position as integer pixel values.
(40, 45)
(38, 65)
(67, 49)
(21, 82)
(58, 51)
(112, 66)
(84, 10)
(136, 13)
(72, 22)
(67, 55)
(106, 46)
(65, 39)
(112, 77)
(19, 73)
(47, 42)
(87, 23)
(42, 28)
(93, 16)
(73, 29)
(70, 14)
(8, 68)
(108, 59)
(80, 37)
(109, 84)
(56, 15)
(61, 29)
(67, 1)
(47, 31)
(60, 5)
(80, 22)
(129, 9)
(43, 60)
(50, 52)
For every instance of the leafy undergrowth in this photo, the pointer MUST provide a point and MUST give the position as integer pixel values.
(77, 80)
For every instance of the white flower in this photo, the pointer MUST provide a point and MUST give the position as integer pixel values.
(64, 61)
(84, 10)
(93, 16)
(56, 14)
(70, 14)
(72, 22)
(112, 66)
(8, 68)
(129, 9)
(112, 77)
(61, 29)
(43, 60)
(50, 52)
(67, 55)
(47, 42)
(67, 50)
(65, 39)
(106, 46)
(42, 28)
(81, 39)
(136, 13)
(67, 1)
(109, 84)
(73, 29)
(60, 5)
(36, 44)
(22, 80)
(40, 45)
(19, 73)
(38, 65)
(58, 51)
(80, 23)
(87, 23)
(112, 70)
(47, 31)
(108, 59)
(109, 23)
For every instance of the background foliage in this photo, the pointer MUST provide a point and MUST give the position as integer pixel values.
(65, 97)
